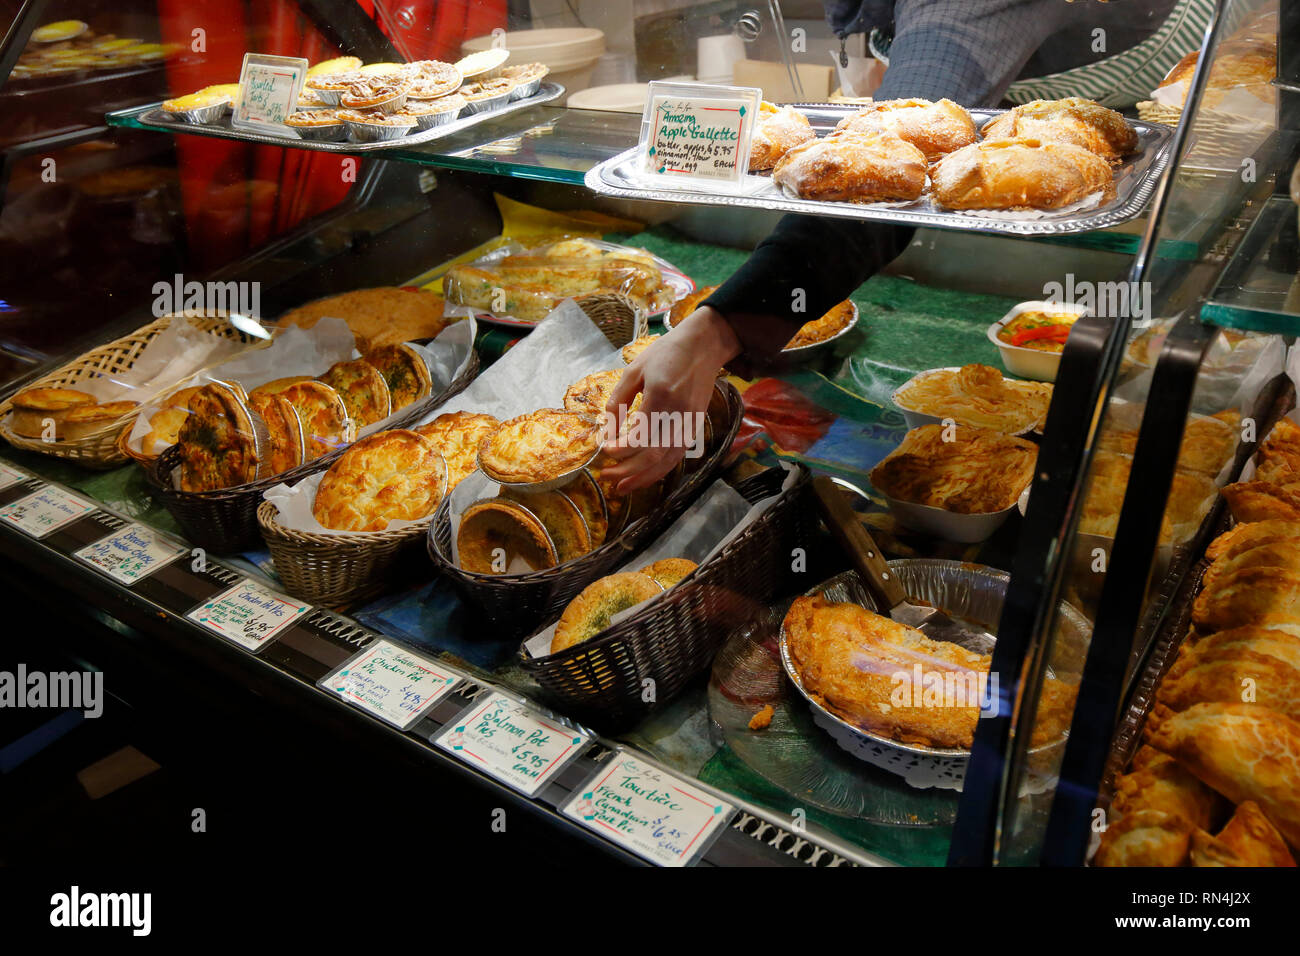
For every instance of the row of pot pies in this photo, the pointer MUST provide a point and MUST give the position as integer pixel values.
(1217, 780)
(70, 412)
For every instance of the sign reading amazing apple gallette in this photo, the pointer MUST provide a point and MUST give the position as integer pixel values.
(649, 811)
(269, 87)
(693, 132)
(391, 682)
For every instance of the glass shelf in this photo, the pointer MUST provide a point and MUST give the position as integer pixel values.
(1260, 289)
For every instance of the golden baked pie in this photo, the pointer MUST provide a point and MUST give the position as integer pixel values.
(32, 406)
(278, 385)
(180, 398)
(313, 119)
(1261, 596)
(1281, 642)
(498, 536)
(934, 128)
(1190, 497)
(1223, 675)
(311, 100)
(525, 72)
(339, 64)
(1245, 752)
(1249, 839)
(84, 420)
(819, 330)
(977, 395)
(585, 492)
(636, 347)
(487, 89)
(452, 103)
(589, 613)
(779, 129)
(288, 442)
(195, 101)
(853, 167)
(377, 317)
(433, 78)
(850, 659)
(405, 372)
(164, 430)
(539, 446)
(669, 571)
(324, 417)
(1156, 781)
(394, 475)
(562, 519)
(1252, 534)
(1019, 174)
(591, 393)
(386, 69)
(219, 447)
(1145, 838)
(1263, 501)
(963, 470)
(1283, 555)
(363, 390)
(331, 82)
(529, 287)
(1075, 121)
(1278, 458)
(458, 436)
(376, 92)
(376, 117)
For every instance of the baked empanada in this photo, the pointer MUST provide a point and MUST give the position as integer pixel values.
(1249, 839)
(1262, 501)
(1243, 676)
(1252, 534)
(1157, 782)
(1260, 596)
(1145, 838)
(1283, 555)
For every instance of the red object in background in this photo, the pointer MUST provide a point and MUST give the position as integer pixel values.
(784, 414)
(237, 196)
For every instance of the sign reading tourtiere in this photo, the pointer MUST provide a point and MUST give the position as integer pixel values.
(693, 131)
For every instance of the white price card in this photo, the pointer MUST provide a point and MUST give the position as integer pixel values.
(269, 87)
(392, 683)
(11, 476)
(250, 614)
(45, 510)
(695, 131)
(509, 740)
(132, 553)
(649, 811)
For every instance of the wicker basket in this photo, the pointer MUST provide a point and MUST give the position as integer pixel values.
(669, 642)
(336, 569)
(225, 521)
(615, 315)
(101, 449)
(517, 604)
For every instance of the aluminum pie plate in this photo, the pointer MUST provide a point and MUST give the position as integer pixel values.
(549, 484)
(221, 128)
(1135, 181)
(803, 352)
(971, 594)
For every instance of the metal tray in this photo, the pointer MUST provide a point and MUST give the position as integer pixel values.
(154, 116)
(1135, 180)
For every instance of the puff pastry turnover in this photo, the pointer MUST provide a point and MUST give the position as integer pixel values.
(1263, 501)
(1075, 121)
(853, 167)
(1145, 838)
(1019, 174)
(1261, 596)
(934, 128)
(1157, 782)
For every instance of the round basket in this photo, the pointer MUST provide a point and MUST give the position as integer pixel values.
(101, 449)
(336, 569)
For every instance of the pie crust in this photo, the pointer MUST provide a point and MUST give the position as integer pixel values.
(588, 614)
(405, 372)
(396, 475)
(324, 417)
(458, 436)
(219, 447)
(363, 390)
(542, 445)
(499, 527)
(288, 443)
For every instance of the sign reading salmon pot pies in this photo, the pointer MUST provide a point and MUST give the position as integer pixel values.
(269, 87)
(693, 132)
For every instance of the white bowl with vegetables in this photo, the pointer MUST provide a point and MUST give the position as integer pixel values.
(1032, 336)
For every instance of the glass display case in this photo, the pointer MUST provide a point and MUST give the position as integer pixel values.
(1076, 574)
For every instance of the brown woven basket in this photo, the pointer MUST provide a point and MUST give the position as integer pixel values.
(604, 681)
(517, 604)
(336, 569)
(225, 521)
(615, 315)
(101, 449)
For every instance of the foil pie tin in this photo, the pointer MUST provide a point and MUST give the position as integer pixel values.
(488, 104)
(203, 115)
(376, 132)
(333, 133)
(430, 120)
(526, 89)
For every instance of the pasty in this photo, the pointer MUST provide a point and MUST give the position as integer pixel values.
(1261, 596)
(1019, 174)
(853, 167)
(934, 128)
(1145, 838)
(1157, 782)
(1262, 501)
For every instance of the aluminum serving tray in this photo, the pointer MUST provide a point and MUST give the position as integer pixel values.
(1135, 180)
(154, 116)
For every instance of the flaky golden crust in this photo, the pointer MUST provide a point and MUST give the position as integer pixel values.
(288, 443)
(562, 519)
(1249, 839)
(1189, 498)
(819, 330)
(1259, 596)
(380, 316)
(1018, 174)
(779, 130)
(1207, 444)
(1283, 554)
(589, 394)
(34, 405)
(497, 536)
(588, 614)
(1157, 782)
(164, 430)
(1145, 838)
(637, 346)
(324, 417)
(1226, 678)
(963, 470)
(936, 129)
(394, 475)
(853, 167)
(1252, 534)
(1262, 501)
(218, 446)
(278, 385)
(1075, 121)
(363, 390)
(979, 396)
(458, 436)
(404, 371)
(539, 446)
(669, 571)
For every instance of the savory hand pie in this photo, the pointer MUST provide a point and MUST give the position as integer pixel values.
(1284, 555)
(498, 536)
(588, 614)
(1260, 596)
(219, 447)
(779, 129)
(853, 167)
(540, 446)
(363, 390)
(458, 436)
(564, 522)
(1156, 781)
(1075, 121)
(967, 470)
(394, 475)
(1019, 174)
(32, 406)
(934, 128)
(979, 396)
(1262, 501)
(288, 442)
(324, 416)
(1252, 534)
(405, 372)
(1225, 678)
(1249, 839)
(1145, 838)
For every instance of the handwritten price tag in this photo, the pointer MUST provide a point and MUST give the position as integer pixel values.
(269, 87)
(506, 738)
(391, 682)
(45, 511)
(699, 132)
(649, 811)
(248, 614)
(132, 553)
(11, 476)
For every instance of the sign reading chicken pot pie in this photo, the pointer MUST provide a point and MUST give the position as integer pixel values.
(648, 811)
(391, 683)
(248, 614)
(269, 87)
(693, 132)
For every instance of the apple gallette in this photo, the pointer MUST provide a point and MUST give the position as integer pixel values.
(934, 128)
(850, 166)
(1019, 174)
(540, 446)
(1075, 121)
(395, 475)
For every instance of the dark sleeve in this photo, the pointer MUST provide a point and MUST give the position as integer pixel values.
(795, 275)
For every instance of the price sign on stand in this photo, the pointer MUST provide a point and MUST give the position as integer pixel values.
(651, 812)
(11, 476)
(509, 740)
(692, 132)
(392, 683)
(269, 87)
(45, 511)
(132, 553)
(249, 614)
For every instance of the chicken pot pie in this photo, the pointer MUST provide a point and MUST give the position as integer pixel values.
(853, 167)
(562, 519)
(979, 396)
(363, 390)
(394, 475)
(779, 129)
(965, 470)
(1074, 121)
(324, 417)
(219, 446)
(540, 446)
(457, 435)
(1017, 174)
(31, 407)
(404, 371)
(589, 613)
(84, 420)
(499, 536)
(284, 427)
(936, 129)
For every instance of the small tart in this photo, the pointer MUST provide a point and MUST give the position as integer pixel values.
(585, 493)
(669, 571)
(288, 442)
(588, 614)
(563, 521)
(324, 416)
(385, 69)
(228, 90)
(33, 406)
(310, 100)
(453, 102)
(83, 420)
(195, 101)
(525, 72)
(332, 81)
(539, 446)
(339, 64)
(487, 89)
(395, 475)
(376, 118)
(405, 371)
(218, 444)
(458, 435)
(363, 389)
(313, 119)
(375, 92)
(433, 78)
(499, 536)
(636, 347)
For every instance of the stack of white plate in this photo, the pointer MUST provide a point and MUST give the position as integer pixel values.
(571, 53)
